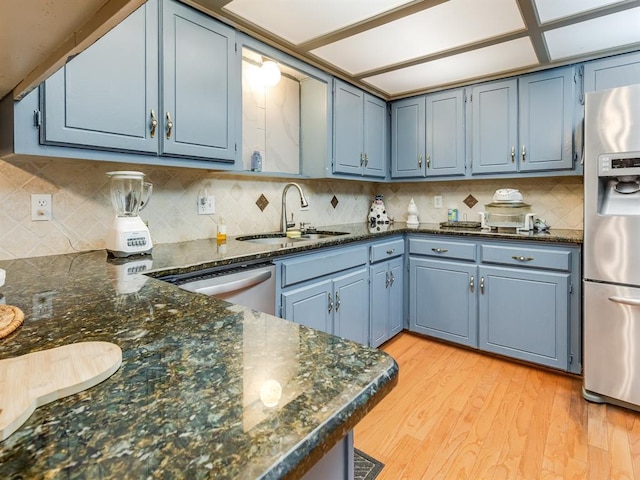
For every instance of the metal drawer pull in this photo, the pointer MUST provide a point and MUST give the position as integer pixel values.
(472, 283)
(391, 279)
(337, 301)
(361, 159)
(513, 154)
(428, 161)
(390, 251)
(482, 285)
(154, 123)
(635, 302)
(420, 161)
(524, 154)
(522, 259)
(387, 280)
(330, 303)
(366, 159)
(440, 250)
(169, 125)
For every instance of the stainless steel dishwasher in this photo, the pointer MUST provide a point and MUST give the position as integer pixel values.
(249, 285)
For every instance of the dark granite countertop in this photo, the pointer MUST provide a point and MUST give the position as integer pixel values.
(176, 258)
(186, 402)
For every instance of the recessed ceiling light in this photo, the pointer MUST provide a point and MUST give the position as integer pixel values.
(615, 30)
(298, 21)
(503, 57)
(553, 9)
(451, 24)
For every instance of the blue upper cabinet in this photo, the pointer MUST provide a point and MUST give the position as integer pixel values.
(494, 134)
(407, 138)
(445, 148)
(359, 129)
(612, 72)
(198, 77)
(524, 124)
(547, 106)
(125, 94)
(107, 96)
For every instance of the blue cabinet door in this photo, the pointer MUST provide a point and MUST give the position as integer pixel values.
(379, 303)
(200, 92)
(547, 105)
(348, 129)
(375, 136)
(106, 97)
(443, 301)
(309, 305)
(351, 306)
(612, 72)
(494, 130)
(445, 133)
(407, 138)
(523, 314)
(396, 296)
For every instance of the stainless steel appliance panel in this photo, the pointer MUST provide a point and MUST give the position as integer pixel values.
(611, 218)
(612, 341)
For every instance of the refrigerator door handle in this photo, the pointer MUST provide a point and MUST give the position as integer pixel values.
(635, 302)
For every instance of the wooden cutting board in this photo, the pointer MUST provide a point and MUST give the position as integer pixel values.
(34, 379)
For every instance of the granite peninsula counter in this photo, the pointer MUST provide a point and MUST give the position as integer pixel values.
(186, 401)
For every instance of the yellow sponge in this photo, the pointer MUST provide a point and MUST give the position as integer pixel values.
(294, 233)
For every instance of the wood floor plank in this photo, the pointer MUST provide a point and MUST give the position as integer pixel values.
(458, 413)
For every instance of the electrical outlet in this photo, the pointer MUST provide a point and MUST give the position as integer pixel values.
(41, 207)
(207, 205)
(437, 201)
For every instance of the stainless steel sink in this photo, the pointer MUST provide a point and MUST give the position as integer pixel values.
(281, 238)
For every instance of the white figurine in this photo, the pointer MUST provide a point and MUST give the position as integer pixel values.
(412, 214)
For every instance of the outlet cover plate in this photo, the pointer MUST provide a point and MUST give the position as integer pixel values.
(41, 207)
(207, 205)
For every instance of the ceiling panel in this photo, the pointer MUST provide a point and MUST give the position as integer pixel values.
(298, 21)
(615, 30)
(446, 26)
(503, 57)
(553, 9)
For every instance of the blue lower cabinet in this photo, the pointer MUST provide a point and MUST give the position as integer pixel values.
(386, 300)
(523, 314)
(338, 305)
(443, 300)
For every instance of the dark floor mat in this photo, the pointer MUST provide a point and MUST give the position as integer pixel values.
(365, 466)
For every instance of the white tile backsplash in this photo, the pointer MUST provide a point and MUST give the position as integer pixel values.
(82, 209)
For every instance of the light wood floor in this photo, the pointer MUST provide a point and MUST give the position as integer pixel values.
(460, 414)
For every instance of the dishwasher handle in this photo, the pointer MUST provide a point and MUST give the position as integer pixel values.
(634, 302)
(235, 285)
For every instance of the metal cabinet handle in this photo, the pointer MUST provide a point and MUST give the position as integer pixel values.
(440, 250)
(361, 159)
(472, 283)
(154, 123)
(169, 125)
(387, 279)
(337, 301)
(428, 161)
(366, 159)
(390, 251)
(391, 279)
(330, 303)
(420, 161)
(513, 154)
(524, 154)
(482, 285)
(521, 258)
(635, 302)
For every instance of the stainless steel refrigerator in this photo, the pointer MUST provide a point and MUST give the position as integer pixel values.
(612, 247)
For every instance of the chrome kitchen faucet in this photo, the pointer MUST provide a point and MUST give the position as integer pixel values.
(303, 203)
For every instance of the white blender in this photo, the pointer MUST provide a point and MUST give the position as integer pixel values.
(128, 235)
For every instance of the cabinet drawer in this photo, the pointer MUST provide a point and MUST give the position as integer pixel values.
(527, 256)
(317, 265)
(443, 248)
(386, 250)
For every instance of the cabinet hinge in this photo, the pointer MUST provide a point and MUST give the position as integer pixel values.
(570, 359)
(235, 146)
(236, 44)
(280, 309)
(570, 288)
(579, 79)
(37, 118)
